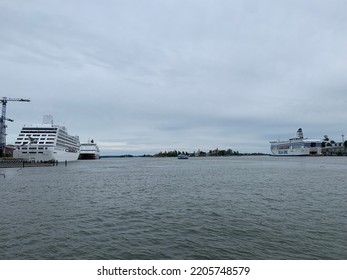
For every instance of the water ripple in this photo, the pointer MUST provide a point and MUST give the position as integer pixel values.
(209, 208)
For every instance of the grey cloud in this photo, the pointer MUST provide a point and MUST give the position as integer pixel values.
(177, 72)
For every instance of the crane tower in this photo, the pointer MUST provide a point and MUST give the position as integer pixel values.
(3, 120)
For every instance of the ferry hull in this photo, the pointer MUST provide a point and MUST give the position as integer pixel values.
(296, 152)
(88, 156)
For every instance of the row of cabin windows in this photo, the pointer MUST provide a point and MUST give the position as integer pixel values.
(39, 130)
(41, 143)
(35, 138)
(33, 148)
(297, 145)
(36, 135)
(63, 137)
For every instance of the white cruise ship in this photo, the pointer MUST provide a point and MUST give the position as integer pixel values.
(89, 150)
(298, 146)
(46, 142)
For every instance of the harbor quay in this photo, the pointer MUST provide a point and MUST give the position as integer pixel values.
(21, 163)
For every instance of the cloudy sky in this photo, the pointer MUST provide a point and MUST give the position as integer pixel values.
(143, 76)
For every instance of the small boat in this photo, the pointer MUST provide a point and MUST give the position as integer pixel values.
(182, 156)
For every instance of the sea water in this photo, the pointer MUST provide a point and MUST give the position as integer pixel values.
(164, 208)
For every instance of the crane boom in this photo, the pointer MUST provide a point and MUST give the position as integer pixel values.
(3, 119)
(5, 99)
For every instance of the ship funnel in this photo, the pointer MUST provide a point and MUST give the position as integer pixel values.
(47, 119)
(299, 134)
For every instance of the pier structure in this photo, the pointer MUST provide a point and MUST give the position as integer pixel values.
(21, 163)
(335, 149)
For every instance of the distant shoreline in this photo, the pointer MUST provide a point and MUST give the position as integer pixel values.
(192, 156)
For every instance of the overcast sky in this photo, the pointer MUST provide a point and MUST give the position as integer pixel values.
(143, 76)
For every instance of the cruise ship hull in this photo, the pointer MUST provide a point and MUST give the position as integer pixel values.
(47, 155)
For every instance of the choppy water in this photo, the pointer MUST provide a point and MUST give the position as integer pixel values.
(201, 208)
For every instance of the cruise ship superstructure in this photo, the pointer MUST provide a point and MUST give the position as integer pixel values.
(46, 142)
(89, 150)
(298, 146)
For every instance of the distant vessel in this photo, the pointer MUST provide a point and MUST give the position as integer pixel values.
(182, 156)
(89, 150)
(46, 142)
(298, 146)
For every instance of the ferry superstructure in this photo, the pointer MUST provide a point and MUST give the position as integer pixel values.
(89, 150)
(298, 146)
(46, 142)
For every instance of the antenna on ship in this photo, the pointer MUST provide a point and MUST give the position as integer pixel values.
(3, 120)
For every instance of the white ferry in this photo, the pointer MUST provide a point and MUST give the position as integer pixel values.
(46, 142)
(89, 150)
(298, 146)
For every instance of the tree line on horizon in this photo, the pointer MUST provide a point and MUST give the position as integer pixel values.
(216, 153)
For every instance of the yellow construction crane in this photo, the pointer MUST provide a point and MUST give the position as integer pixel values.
(3, 120)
